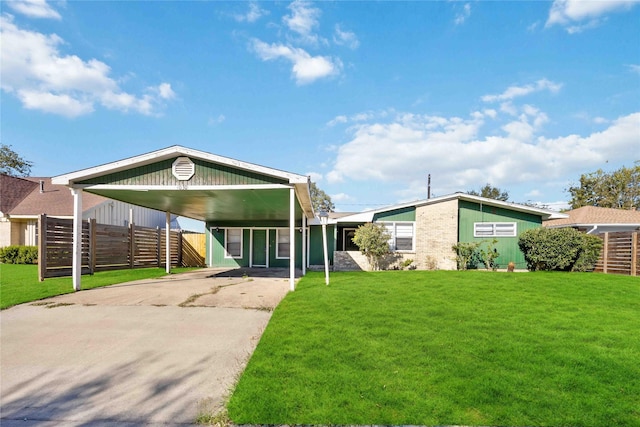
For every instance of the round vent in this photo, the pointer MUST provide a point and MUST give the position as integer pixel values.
(183, 168)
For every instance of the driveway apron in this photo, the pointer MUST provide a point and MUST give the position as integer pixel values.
(154, 352)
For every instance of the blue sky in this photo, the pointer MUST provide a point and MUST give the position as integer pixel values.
(365, 97)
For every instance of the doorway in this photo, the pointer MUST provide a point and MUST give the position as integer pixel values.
(259, 248)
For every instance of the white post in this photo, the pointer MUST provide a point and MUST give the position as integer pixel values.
(304, 244)
(324, 218)
(76, 270)
(292, 239)
(167, 243)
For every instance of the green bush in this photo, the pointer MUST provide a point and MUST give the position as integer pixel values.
(19, 254)
(467, 254)
(563, 249)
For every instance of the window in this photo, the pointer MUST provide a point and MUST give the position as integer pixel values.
(494, 229)
(233, 242)
(283, 240)
(401, 235)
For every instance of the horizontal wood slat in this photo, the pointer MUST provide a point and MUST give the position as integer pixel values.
(619, 254)
(104, 247)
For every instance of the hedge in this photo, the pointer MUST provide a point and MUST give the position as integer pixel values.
(564, 249)
(19, 254)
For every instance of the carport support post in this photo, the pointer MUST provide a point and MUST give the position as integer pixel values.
(292, 239)
(76, 269)
(167, 243)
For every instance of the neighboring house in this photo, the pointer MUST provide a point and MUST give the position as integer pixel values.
(596, 220)
(425, 230)
(23, 200)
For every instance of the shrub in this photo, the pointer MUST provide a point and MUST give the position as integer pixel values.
(489, 254)
(19, 254)
(591, 247)
(564, 249)
(467, 255)
(373, 242)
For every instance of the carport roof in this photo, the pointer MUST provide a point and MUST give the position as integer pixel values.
(221, 189)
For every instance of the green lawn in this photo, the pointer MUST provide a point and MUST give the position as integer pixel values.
(448, 348)
(19, 283)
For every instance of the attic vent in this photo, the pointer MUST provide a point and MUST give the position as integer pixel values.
(183, 168)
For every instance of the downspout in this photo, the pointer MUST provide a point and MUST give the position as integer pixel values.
(595, 227)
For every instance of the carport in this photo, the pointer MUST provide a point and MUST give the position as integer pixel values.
(220, 191)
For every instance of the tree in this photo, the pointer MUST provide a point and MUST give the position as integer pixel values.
(490, 192)
(12, 164)
(619, 189)
(320, 200)
(373, 242)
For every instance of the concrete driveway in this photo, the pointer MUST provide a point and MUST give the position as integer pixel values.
(152, 352)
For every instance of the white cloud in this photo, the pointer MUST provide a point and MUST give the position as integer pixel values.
(518, 91)
(340, 197)
(34, 70)
(336, 120)
(463, 14)
(578, 15)
(33, 8)
(254, 13)
(634, 68)
(457, 155)
(315, 176)
(346, 38)
(303, 21)
(213, 121)
(305, 68)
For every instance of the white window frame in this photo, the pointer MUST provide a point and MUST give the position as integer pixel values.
(495, 226)
(392, 227)
(226, 243)
(278, 232)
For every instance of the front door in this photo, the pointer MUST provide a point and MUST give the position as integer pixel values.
(259, 248)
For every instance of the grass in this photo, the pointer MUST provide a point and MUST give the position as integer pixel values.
(448, 348)
(20, 284)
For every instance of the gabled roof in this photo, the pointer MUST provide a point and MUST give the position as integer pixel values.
(54, 200)
(169, 153)
(225, 189)
(368, 216)
(594, 215)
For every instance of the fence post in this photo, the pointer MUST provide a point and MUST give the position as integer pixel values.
(159, 247)
(179, 248)
(634, 253)
(132, 245)
(42, 246)
(92, 246)
(605, 250)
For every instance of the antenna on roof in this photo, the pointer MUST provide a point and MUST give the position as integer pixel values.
(428, 186)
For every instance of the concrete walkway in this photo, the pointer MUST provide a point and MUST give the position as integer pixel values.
(152, 352)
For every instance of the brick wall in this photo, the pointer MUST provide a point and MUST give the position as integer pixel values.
(436, 232)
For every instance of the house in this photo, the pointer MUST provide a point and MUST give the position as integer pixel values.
(596, 220)
(257, 216)
(424, 231)
(23, 200)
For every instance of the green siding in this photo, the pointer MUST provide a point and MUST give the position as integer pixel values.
(219, 260)
(316, 251)
(470, 213)
(206, 173)
(405, 214)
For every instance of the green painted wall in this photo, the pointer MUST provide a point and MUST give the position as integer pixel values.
(206, 173)
(405, 214)
(316, 251)
(219, 259)
(507, 247)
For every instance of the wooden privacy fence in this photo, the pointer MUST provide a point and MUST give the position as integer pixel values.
(107, 247)
(619, 253)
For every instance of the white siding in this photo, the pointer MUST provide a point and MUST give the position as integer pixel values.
(117, 213)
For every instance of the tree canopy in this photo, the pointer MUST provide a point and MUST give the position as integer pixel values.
(490, 192)
(320, 200)
(619, 189)
(12, 164)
